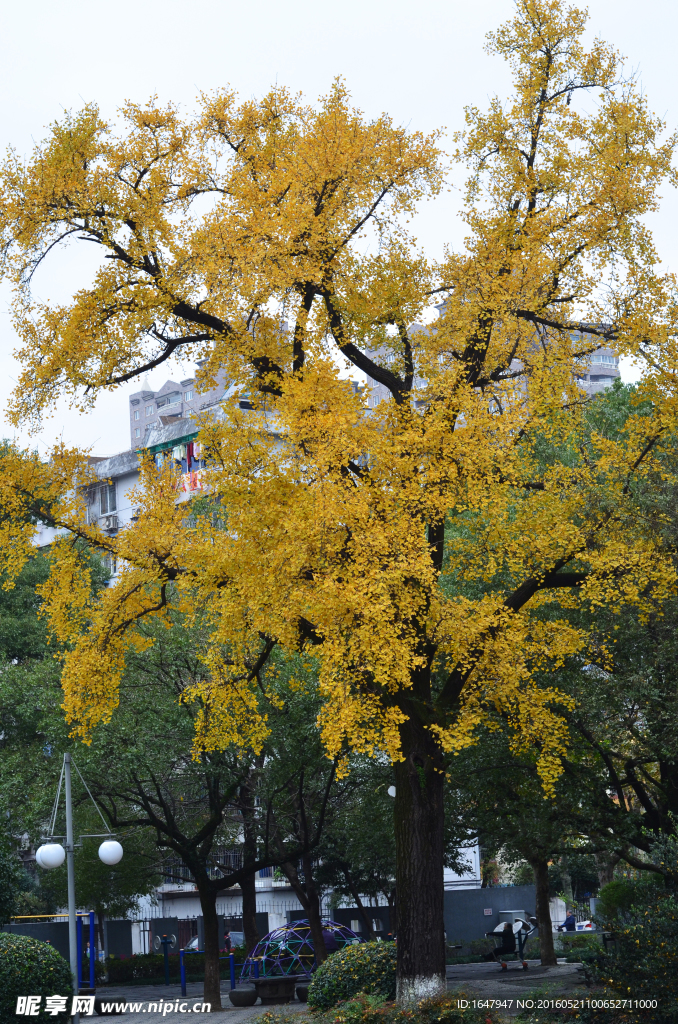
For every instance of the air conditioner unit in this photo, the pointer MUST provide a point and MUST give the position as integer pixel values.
(110, 523)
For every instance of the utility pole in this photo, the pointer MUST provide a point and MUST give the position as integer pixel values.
(70, 868)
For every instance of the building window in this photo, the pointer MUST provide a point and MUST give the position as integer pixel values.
(149, 410)
(188, 396)
(107, 500)
(136, 414)
(137, 433)
(170, 399)
(111, 563)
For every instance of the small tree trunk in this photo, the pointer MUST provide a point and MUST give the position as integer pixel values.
(210, 920)
(307, 895)
(605, 865)
(540, 868)
(418, 819)
(100, 929)
(567, 880)
(249, 912)
(248, 885)
(359, 903)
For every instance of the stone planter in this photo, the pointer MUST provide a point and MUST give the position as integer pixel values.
(243, 996)
(276, 990)
(302, 993)
(109, 1013)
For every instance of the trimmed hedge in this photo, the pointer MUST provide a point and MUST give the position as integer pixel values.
(151, 967)
(369, 967)
(29, 967)
(142, 967)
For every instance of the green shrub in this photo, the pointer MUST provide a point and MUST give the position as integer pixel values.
(369, 967)
(370, 1009)
(480, 946)
(644, 964)
(29, 967)
(151, 966)
(615, 899)
(145, 967)
(580, 947)
(577, 940)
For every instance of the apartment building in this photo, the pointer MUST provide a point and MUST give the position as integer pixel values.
(151, 410)
(594, 374)
(599, 371)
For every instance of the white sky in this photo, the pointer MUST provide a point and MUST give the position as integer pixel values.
(419, 62)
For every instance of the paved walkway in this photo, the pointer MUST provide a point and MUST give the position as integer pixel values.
(488, 981)
(167, 1004)
(475, 981)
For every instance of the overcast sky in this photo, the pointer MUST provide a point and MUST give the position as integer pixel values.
(419, 62)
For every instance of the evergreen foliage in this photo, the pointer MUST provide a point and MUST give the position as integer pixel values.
(369, 967)
(645, 962)
(366, 1009)
(30, 967)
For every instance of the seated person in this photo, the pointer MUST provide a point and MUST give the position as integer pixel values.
(508, 944)
(569, 924)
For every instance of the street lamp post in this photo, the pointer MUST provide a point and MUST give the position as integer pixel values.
(51, 855)
(70, 868)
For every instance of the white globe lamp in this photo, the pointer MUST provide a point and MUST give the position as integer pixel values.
(110, 852)
(51, 855)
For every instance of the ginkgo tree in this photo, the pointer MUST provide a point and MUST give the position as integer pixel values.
(418, 550)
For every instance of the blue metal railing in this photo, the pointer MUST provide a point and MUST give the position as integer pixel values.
(92, 949)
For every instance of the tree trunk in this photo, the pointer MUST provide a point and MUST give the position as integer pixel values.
(567, 879)
(249, 911)
(392, 911)
(540, 867)
(100, 929)
(418, 821)
(605, 865)
(208, 905)
(307, 895)
(359, 903)
(248, 885)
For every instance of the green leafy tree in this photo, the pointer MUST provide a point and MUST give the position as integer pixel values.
(143, 776)
(505, 807)
(358, 850)
(298, 788)
(14, 882)
(108, 891)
